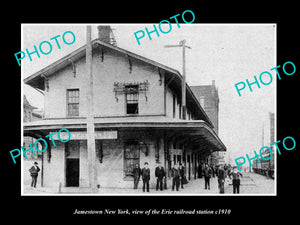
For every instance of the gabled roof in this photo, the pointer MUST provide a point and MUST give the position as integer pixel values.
(33, 80)
(36, 80)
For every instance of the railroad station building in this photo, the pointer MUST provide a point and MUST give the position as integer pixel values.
(138, 118)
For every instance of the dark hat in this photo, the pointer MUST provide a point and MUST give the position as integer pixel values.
(35, 163)
(146, 163)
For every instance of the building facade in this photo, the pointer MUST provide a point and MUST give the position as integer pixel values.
(137, 118)
(208, 97)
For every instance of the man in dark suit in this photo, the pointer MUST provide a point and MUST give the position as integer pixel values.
(182, 175)
(207, 176)
(159, 174)
(221, 178)
(34, 170)
(136, 175)
(176, 177)
(146, 176)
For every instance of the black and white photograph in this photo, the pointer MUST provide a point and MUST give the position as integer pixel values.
(149, 112)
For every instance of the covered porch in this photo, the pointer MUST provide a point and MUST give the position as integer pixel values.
(140, 139)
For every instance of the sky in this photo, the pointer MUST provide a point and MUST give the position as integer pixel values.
(226, 53)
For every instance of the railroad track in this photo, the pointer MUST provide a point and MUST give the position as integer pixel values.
(247, 181)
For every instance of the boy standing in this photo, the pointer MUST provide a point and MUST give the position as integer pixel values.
(236, 180)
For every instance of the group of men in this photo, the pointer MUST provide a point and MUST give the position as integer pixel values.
(179, 179)
(222, 172)
(177, 173)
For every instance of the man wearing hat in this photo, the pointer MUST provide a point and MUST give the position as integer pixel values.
(34, 170)
(159, 174)
(146, 176)
(221, 178)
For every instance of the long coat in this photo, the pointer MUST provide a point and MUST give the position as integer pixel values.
(221, 174)
(159, 172)
(146, 174)
(175, 173)
(137, 172)
(34, 171)
(207, 172)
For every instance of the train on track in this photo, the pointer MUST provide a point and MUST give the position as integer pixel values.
(265, 167)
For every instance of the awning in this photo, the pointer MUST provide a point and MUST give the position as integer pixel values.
(191, 131)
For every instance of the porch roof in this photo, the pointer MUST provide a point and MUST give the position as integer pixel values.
(198, 130)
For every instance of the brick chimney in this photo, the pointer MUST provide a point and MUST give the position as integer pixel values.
(213, 89)
(105, 34)
(213, 83)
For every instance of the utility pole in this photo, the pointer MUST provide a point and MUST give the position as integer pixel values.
(183, 95)
(90, 115)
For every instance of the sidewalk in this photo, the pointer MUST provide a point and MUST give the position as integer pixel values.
(251, 183)
(195, 186)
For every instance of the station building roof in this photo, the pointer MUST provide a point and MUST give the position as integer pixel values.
(173, 76)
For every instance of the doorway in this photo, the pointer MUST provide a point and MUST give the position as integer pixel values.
(72, 163)
(72, 172)
(131, 157)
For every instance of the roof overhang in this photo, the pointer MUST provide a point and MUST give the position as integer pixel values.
(36, 80)
(198, 130)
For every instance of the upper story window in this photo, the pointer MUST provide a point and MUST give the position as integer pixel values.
(73, 102)
(132, 99)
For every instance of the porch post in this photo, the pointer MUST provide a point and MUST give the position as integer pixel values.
(90, 115)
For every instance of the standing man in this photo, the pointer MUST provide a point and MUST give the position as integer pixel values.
(207, 175)
(182, 175)
(221, 179)
(176, 177)
(225, 167)
(212, 169)
(136, 175)
(146, 176)
(159, 174)
(200, 170)
(34, 170)
(236, 180)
